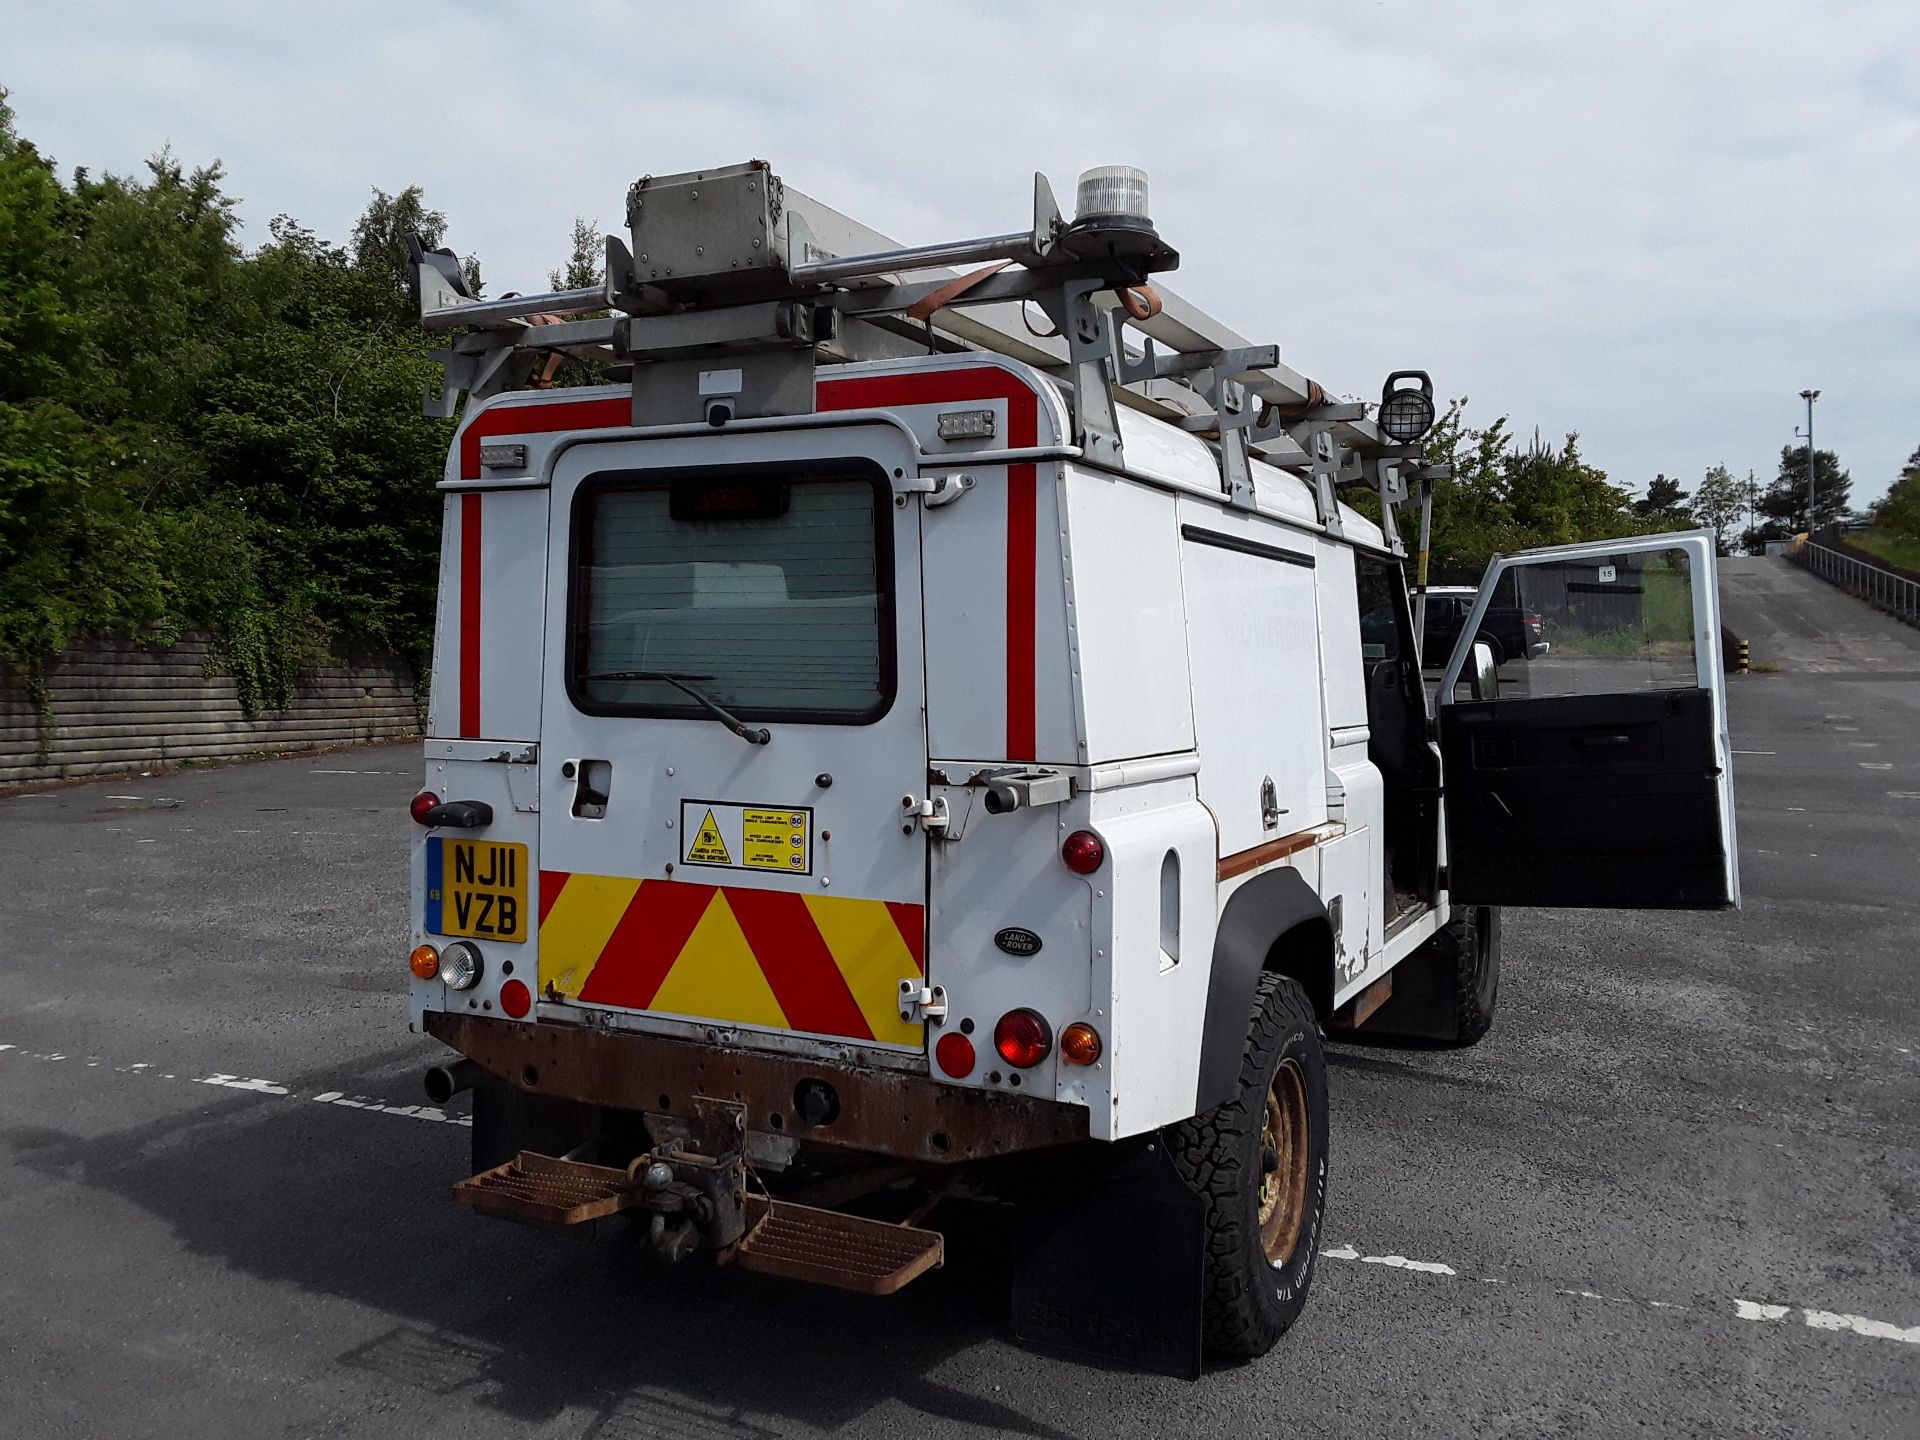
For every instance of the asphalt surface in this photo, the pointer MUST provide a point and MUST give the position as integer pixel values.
(1551, 1233)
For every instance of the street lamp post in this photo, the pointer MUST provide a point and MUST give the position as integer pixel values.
(1809, 396)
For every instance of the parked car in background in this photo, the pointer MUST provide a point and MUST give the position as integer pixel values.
(1512, 633)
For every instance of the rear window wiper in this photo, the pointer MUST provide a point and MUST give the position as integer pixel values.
(752, 734)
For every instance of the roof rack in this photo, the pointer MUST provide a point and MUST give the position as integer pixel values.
(732, 263)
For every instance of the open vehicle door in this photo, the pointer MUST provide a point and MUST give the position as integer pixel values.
(1598, 773)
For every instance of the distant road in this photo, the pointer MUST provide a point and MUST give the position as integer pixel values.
(1808, 625)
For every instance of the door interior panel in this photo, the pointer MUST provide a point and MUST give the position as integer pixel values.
(1585, 800)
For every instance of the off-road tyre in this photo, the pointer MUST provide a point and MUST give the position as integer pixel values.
(1474, 937)
(1253, 1296)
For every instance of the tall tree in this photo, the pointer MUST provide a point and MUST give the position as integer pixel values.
(1664, 500)
(588, 261)
(1718, 501)
(1898, 511)
(380, 236)
(1783, 505)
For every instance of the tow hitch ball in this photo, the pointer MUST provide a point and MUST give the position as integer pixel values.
(697, 1195)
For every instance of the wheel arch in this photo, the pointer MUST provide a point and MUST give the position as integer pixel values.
(1274, 922)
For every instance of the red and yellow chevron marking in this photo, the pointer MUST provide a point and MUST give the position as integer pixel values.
(827, 965)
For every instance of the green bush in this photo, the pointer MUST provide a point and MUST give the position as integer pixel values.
(194, 435)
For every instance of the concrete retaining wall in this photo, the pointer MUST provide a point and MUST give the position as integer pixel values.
(117, 706)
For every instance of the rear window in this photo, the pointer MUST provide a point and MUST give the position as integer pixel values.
(768, 591)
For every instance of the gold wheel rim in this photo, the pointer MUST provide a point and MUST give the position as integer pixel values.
(1283, 1189)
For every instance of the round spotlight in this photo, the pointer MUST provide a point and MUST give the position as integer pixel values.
(460, 965)
(1406, 415)
(1406, 411)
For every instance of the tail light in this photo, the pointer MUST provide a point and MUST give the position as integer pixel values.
(1022, 1038)
(1535, 624)
(420, 805)
(424, 962)
(1083, 852)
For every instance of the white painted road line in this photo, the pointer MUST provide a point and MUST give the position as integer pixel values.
(1828, 1320)
(255, 1086)
(1742, 1309)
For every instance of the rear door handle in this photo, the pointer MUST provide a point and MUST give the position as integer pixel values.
(1602, 742)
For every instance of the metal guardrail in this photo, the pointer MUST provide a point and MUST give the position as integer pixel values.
(1893, 593)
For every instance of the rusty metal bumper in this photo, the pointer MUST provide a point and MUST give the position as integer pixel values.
(881, 1112)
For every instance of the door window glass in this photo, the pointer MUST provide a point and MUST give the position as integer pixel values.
(1609, 624)
(766, 593)
(1381, 595)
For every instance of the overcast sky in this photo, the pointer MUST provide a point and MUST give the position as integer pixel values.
(1652, 223)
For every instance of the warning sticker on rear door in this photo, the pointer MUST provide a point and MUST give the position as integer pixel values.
(747, 837)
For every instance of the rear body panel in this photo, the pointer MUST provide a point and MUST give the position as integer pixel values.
(688, 878)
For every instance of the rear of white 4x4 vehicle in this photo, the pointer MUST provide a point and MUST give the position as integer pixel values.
(679, 753)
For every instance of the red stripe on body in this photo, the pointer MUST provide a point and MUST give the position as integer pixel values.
(649, 938)
(552, 882)
(1023, 524)
(603, 413)
(1023, 428)
(911, 921)
(469, 616)
(812, 992)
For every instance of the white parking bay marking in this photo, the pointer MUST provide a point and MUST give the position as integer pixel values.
(1828, 1320)
(1832, 1321)
(253, 1085)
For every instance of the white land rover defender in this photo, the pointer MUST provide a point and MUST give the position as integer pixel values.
(921, 734)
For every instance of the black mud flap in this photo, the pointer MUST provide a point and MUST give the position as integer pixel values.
(1424, 1005)
(1111, 1264)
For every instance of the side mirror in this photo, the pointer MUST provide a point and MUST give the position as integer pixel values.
(1486, 676)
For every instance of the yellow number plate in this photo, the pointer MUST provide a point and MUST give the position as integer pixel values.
(477, 888)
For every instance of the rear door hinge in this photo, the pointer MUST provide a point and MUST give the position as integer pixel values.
(920, 1003)
(931, 814)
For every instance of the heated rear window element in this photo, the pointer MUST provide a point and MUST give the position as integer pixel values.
(767, 592)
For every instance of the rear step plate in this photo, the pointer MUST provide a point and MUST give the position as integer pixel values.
(548, 1191)
(826, 1247)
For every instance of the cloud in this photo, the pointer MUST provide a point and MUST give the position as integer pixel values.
(1653, 224)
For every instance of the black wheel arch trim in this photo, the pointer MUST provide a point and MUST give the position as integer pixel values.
(1266, 908)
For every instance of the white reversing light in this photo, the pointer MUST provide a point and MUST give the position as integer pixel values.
(460, 965)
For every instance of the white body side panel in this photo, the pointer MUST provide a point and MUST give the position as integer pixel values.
(1252, 633)
(1133, 677)
(1154, 914)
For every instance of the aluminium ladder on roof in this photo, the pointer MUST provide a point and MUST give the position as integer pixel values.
(802, 276)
